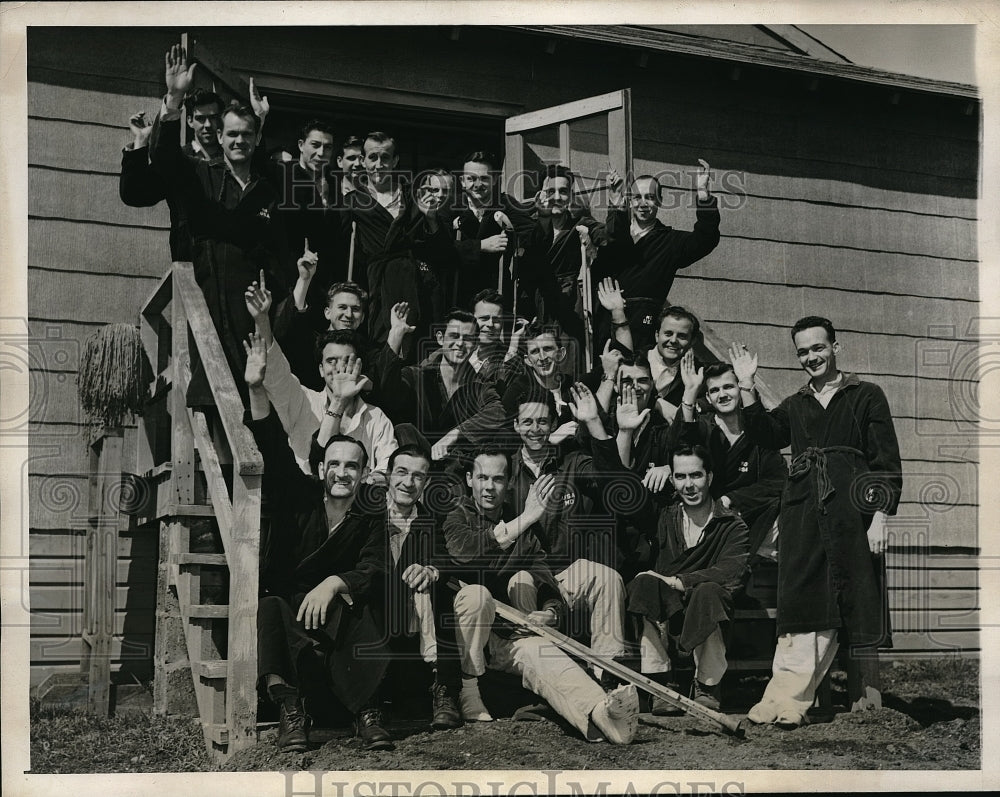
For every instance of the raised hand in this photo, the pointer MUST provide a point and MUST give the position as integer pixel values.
(611, 360)
(258, 298)
(616, 187)
(744, 363)
(537, 501)
(140, 129)
(397, 318)
(261, 107)
(584, 406)
(691, 377)
(610, 295)
(346, 381)
(256, 360)
(703, 179)
(178, 75)
(627, 412)
(307, 263)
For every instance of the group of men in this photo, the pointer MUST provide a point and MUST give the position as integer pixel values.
(431, 453)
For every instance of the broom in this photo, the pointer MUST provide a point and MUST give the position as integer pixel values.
(110, 380)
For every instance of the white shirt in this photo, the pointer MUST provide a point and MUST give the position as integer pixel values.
(692, 531)
(392, 202)
(637, 232)
(827, 392)
(661, 373)
(301, 410)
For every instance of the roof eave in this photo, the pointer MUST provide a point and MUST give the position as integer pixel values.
(640, 38)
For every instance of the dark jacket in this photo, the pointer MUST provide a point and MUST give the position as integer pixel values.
(416, 394)
(845, 466)
(711, 572)
(753, 477)
(141, 186)
(298, 552)
(588, 492)
(477, 558)
(235, 234)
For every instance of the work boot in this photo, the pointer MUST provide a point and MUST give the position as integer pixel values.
(369, 727)
(293, 725)
(445, 713)
(707, 696)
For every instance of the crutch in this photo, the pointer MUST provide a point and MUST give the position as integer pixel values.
(456, 225)
(586, 295)
(350, 254)
(619, 670)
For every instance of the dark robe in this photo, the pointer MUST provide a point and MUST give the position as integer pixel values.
(416, 394)
(141, 186)
(711, 572)
(236, 233)
(752, 476)
(845, 466)
(406, 261)
(424, 545)
(478, 270)
(299, 552)
(645, 268)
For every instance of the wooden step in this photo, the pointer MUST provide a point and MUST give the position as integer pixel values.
(216, 732)
(211, 669)
(190, 510)
(208, 610)
(215, 559)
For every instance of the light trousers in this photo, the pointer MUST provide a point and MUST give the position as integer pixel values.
(709, 657)
(800, 663)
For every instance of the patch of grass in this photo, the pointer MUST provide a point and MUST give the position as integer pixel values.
(65, 740)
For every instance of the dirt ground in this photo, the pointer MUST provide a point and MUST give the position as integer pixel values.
(930, 720)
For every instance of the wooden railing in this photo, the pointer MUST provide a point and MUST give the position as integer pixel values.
(175, 309)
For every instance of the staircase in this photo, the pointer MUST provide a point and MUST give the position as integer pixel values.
(204, 476)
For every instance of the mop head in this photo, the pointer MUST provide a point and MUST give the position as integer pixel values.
(111, 385)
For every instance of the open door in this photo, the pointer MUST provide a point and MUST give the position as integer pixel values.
(586, 135)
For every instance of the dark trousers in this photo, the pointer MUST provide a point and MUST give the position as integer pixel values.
(348, 657)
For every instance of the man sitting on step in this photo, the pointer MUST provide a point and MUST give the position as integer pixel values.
(687, 599)
(317, 629)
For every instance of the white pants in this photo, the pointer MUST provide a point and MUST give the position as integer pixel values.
(800, 664)
(550, 674)
(423, 622)
(584, 585)
(709, 657)
(475, 611)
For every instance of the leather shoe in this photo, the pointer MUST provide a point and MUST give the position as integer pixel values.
(293, 726)
(445, 713)
(369, 728)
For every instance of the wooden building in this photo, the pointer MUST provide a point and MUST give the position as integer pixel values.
(845, 191)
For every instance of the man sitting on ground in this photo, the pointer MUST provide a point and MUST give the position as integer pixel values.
(419, 602)
(315, 621)
(496, 559)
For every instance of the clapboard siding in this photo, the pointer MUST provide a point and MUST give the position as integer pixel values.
(97, 148)
(86, 197)
(81, 296)
(731, 183)
(797, 264)
(61, 245)
(909, 315)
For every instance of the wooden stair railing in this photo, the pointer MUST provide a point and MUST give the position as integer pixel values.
(184, 462)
